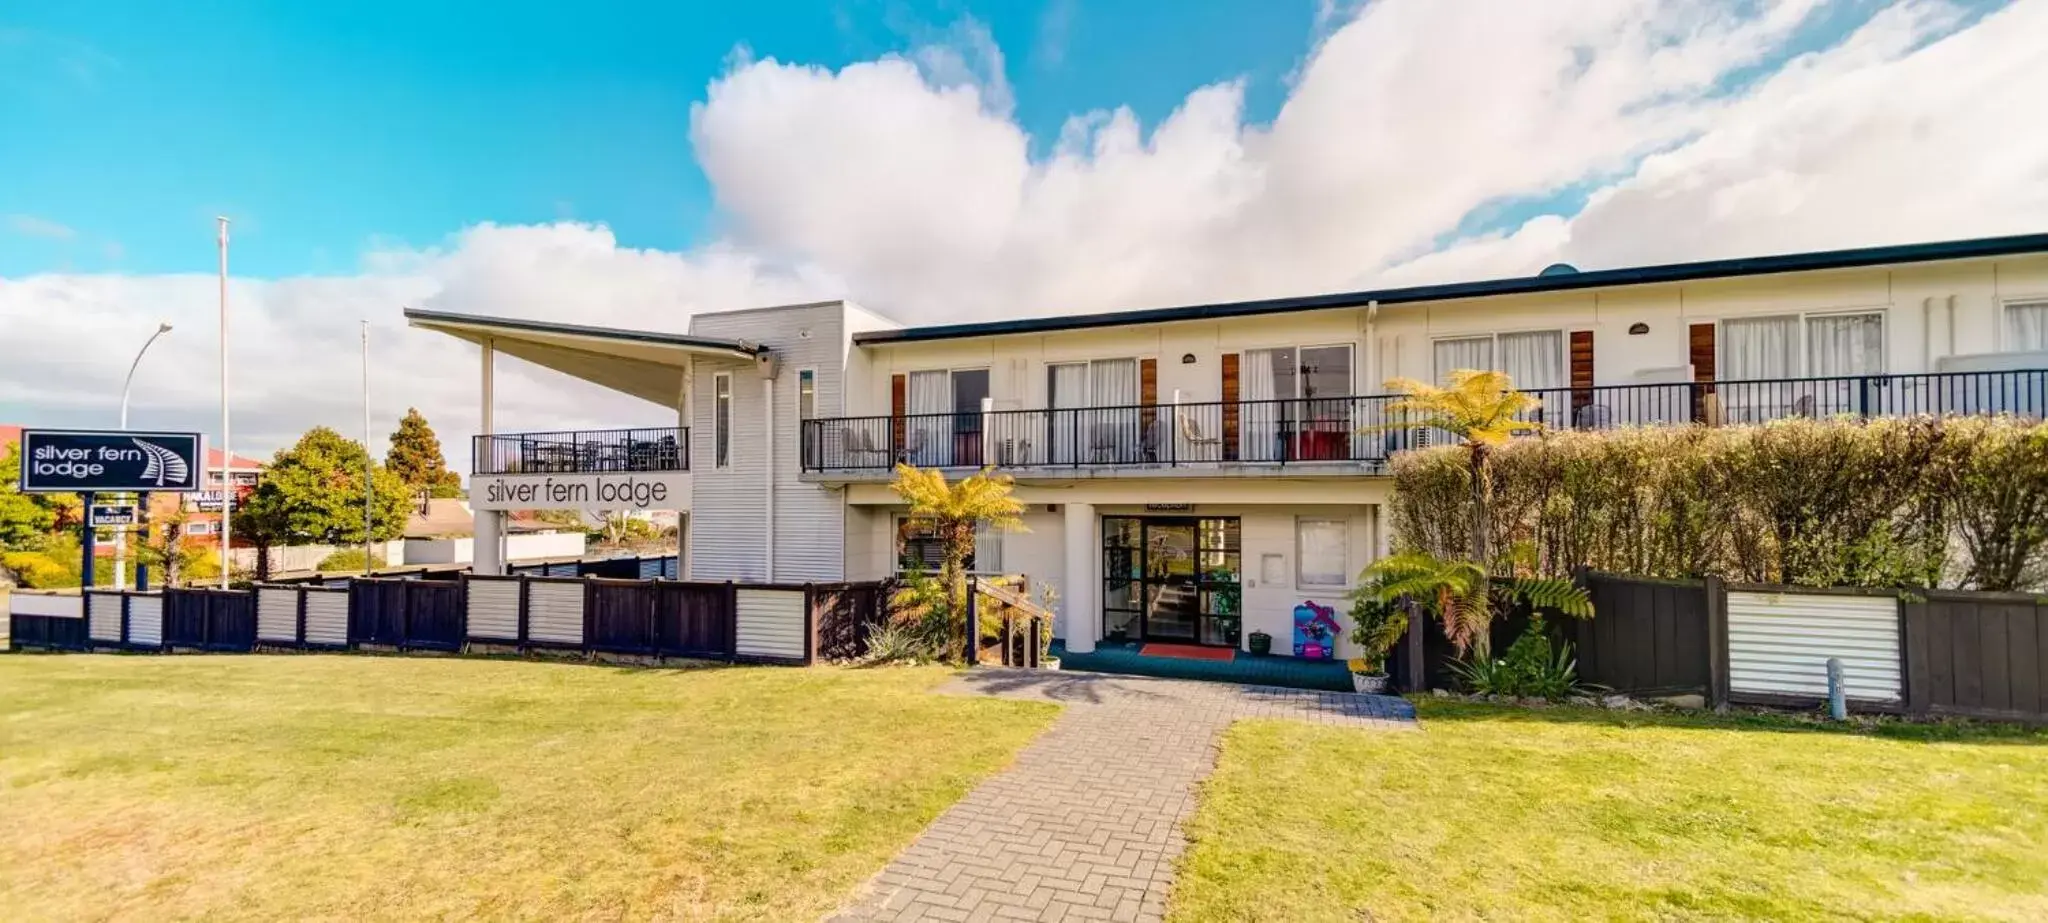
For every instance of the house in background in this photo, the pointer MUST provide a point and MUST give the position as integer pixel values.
(203, 509)
(1196, 474)
(442, 531)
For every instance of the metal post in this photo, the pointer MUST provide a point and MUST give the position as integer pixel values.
(1838, 703)
(1032, 658)
(85, 542)
(369, 462)
(973, 624)
(141, 566)
(227, 485)
(121, 532)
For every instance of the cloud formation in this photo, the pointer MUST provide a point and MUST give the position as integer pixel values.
(1421, 140)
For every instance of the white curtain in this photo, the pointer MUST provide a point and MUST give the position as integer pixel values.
(1535, 360)
(1759, 348)
(1258, 423)
(1844, 344)
(2026, 327)
(1069, 385)
(930, 399)
(1462, 353)
(1113, 435)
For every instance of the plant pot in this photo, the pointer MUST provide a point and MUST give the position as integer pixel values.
(1369, 683)
(1262, 643)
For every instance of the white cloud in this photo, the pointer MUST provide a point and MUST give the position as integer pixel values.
(1688, 129)
(32, 226)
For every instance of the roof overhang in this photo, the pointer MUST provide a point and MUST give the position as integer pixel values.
(645, 364)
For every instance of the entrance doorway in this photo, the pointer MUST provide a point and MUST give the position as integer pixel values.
(1173, 579)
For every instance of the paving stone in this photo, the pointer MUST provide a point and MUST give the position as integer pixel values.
(1088, 823)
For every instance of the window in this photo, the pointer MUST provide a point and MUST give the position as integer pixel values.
(1801, 346)
(1296, 403)
(1534, 359)
(944, 429)
(721, 419)
(204, 527)
(1322, 552)
(2026, 327)
(806, 394)
(918, 548)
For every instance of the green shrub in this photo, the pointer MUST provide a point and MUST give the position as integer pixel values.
(345, 559)
(1890, 502)
(37, 571)
(1531, 668)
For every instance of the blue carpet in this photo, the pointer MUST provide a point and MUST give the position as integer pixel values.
(1291, 672)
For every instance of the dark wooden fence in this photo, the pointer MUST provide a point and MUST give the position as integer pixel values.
(694, 619)
(406, 614)
(46, 632)
(210, 620)
(1982, 655)
(846, 614)
(1648, 636)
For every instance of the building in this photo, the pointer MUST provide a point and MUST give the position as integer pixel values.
(1200, 473)
(203, 508)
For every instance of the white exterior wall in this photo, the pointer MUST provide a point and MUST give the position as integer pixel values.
(518, 547)
(1915, 299)
(729, 539)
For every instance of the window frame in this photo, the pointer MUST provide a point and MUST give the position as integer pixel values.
(2005, 308)
(806, 394)
(1800, 349)
(721, 420)
(1564, 349)
(1301, 581)
(985, 540)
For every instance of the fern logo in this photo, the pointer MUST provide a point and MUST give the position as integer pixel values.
(163, 465)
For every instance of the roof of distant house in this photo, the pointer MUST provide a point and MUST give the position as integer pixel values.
(241, 462)
(451, 518)
(9, 434)
(1557, 278)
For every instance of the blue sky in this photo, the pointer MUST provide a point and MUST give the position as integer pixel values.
(325, 129)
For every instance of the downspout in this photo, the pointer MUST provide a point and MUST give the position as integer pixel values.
(1927, 333)
(1372, 343)
(1951, 341)
(768, 397)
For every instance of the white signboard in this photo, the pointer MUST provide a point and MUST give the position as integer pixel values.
(638, 490)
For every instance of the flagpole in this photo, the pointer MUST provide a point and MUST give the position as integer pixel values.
(227, 484)
(369, 462)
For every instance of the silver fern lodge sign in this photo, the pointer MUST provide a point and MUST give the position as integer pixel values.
(86, 461)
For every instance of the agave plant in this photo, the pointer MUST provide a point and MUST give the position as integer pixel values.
(1465, 597)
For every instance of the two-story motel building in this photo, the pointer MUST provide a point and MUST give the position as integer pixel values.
(1195, 473)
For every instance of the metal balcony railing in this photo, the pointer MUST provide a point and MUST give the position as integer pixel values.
(1359, 431)
(584, 451)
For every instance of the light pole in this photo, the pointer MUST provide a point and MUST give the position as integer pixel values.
(369, 462)
(121, 532)
(227, 456)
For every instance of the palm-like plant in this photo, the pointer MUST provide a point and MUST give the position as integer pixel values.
(1462, 595)
(1483, 410)
(956, 510)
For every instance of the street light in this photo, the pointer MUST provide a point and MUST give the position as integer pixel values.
(120, 533)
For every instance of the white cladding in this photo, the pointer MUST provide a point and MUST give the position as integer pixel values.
(277, 613)
(494, 609)
(770, 623)
(68, 607)
(730, 508)
(326, 616)
(103, 617)
(146, 620)
(1779, 643)
(555, 612)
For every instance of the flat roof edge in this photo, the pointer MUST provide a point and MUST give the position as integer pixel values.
(1732, 268)
(423, 318)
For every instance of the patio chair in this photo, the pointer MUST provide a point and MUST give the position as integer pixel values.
(1191, 433)
(913, 446)
(1593, 416)
(858, 445)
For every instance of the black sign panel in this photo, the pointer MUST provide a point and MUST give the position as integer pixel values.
(78, 461)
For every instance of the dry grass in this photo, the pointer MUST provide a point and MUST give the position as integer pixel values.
(1570, 814)
(357, 787)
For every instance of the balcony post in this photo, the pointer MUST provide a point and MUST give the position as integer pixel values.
(487, 548)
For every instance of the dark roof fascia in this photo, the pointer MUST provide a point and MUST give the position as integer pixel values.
(581, 330)
(1641, 275)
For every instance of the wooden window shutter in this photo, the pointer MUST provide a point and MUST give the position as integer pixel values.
(1230, 385)
(1148, 382)
(899, 403)
(1700, 352)
(1582, 370)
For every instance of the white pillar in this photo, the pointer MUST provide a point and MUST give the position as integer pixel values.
(1081, 597)
(488, 547)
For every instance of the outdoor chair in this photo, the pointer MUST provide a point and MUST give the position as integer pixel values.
(858, 445)
(1198, 441)
(1593, 416)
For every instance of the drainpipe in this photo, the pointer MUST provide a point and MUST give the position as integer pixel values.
(768, 415)
(1951, 340)
(1372, 344)
(1927, 333)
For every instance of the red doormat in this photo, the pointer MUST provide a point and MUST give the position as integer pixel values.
(1187, 652)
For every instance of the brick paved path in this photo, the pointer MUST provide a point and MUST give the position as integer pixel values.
(1087, 824)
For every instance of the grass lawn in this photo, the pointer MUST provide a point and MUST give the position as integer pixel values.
(353, 787)
(1573, 814)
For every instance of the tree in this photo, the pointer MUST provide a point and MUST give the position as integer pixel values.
(312, 494)
(1483, 410)
(1463, 596)
(416, 458)
(955, 511)
(26, 519)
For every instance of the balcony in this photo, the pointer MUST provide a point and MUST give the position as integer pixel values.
(1340, 435)
(583, 451)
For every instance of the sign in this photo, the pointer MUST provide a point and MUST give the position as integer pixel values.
(123, 515)
(1315, 630)
(639, 490)
(209, 501)
(82, 461)
(1169, 507)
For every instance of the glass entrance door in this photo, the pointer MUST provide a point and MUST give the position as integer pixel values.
(1171, 579)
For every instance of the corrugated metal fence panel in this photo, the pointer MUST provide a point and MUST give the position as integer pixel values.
(650, 568)
(571, 569)
(770, 624)
(554, 612)
(103, 615)
(277, 614)
(1779, 644)
(146, 620)
(494, 609)
(44, 604)
(327, 616)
